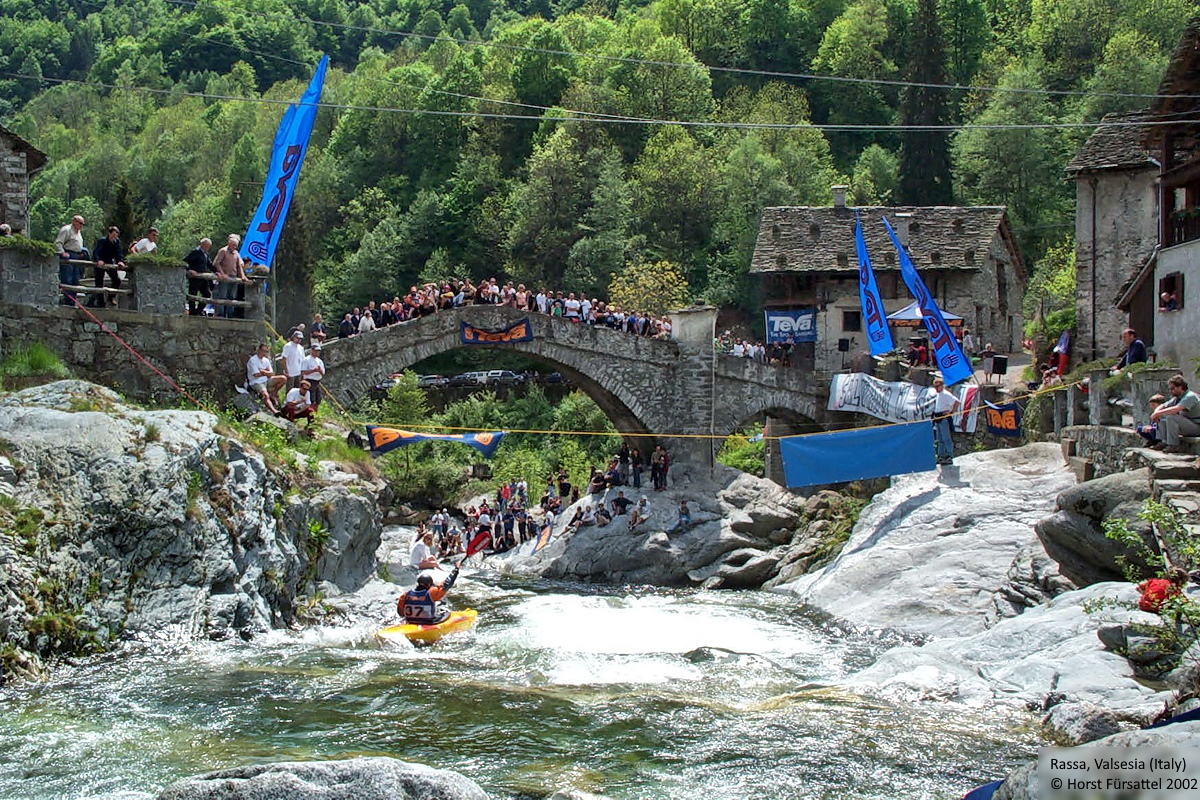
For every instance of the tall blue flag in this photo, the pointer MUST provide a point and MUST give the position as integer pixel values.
(287, 155)
(878, 335)
(950, 358)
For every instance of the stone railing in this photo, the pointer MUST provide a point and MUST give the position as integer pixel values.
(155, 287)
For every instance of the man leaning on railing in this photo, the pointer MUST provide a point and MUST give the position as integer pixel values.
(69, 246)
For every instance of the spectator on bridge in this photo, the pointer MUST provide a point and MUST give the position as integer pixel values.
(316, 331)
(313, 370)
(109, 256)
(147, 244)
(347, 328)
(366, 323)
(261, 378)
(228, 266)
(69, 246)
(5, 229)
(198, 263)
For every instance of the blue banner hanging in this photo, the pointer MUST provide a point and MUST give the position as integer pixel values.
(520, 332)
(287, 156)
(381, 440)
(789, 327)
(1003, 420)
(950, 358)
(840, 456)
(878, 336)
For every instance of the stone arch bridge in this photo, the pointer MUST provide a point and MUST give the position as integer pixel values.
(666, 390)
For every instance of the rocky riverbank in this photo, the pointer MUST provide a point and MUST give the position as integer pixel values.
(120, 521)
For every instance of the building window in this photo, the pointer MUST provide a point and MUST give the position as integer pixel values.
(958, 225)
(1170, 292)
(851, 321)
(969, 258)
(775, 232)
(843, 260)
(914, 227)
(781, 261)
(889, 258)
(935, 257)
(814, 231)
(888, 284)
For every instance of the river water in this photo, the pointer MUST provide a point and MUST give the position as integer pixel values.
(632, 693)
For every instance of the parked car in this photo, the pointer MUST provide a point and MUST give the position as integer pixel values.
(503, 377)
(432, 381)
(555, 377)
(468, 379)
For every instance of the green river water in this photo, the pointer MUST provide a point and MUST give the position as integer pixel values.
(630, 694)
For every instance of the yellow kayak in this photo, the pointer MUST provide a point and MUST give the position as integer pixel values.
(428, 634)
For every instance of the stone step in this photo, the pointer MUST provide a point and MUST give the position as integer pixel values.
(1163, 486)
(1084, 468)
(1187, 504)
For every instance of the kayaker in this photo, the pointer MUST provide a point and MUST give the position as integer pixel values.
(422, 604)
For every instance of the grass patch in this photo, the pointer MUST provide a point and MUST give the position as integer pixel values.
(32, 359)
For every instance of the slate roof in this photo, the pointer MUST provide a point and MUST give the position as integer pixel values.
(821, 238)
(1116, 143)
(34, 158)
(1180, 83)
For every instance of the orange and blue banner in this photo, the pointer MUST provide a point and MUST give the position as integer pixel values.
(950, 358)
(287, 156)
(1003, 420)
(543, 538)
(879, 337)
(520, 332)
(823, 458)
(381, 440)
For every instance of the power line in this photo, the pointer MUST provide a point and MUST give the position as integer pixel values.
(800, 76)
(839, 127)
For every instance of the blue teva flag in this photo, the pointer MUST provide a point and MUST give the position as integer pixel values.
(287, 154)
(950, 358)
(878, 335)
(853, 455)
(381, 440)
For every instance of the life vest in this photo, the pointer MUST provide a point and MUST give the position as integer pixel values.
(419, 608)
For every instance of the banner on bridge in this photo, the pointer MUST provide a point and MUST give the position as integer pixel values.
(788, 327)
(898, 401)
(520, 332)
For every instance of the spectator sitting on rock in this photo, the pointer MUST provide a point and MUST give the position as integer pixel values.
(621, 504)
(1150, 432)
(640, 513)
(260, 377)
(602, 517)
(685, 519)
(298, 404)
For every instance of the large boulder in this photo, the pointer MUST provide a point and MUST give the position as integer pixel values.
(1074, 537)
(373, 778)
(947, 555)
(136, 520)
(738, 523)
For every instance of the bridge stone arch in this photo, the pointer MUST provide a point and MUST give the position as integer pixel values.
(668, 390)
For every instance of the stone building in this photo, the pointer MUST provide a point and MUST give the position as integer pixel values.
(1116, 233)
(19, 160)
(805, 257)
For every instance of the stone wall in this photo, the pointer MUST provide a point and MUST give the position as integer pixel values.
(1126, 232)
(203, 355)
(14, 186)
(1103, 445)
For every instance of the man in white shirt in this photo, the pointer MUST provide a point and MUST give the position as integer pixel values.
(542, 302)
(69, 246)
(422, 553)
(260, 377)
(571, 308)
(298, 404)
(944, 406)
(367, 323)
(293, 358)
(147, 244)
(585, 308)
(312, 369)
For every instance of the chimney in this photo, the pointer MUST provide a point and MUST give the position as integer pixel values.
(839, 195)
(902, 221)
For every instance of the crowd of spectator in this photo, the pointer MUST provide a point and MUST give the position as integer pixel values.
(432, 298)
(779, 354)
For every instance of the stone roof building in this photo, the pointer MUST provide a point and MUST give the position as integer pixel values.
(1116, 232)
(19, 160)
(806, 258)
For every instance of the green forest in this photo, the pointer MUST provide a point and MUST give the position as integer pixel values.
(562, 143)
